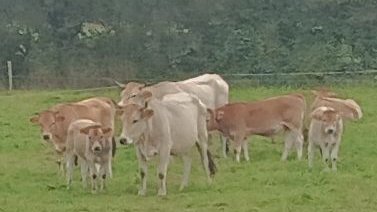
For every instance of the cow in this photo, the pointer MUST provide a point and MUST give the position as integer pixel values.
(325, 132)
(92, 144)
(268, 117)
(171, 126)
(348, 108)
(211, 89)
(55, 121)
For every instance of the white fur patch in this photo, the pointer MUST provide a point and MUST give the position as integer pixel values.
(324, 108)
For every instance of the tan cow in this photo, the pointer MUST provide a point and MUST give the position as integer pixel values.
(55, 121)
(169, 127)
(92, 144)
(348, 108)
(325, 132)
(267, 118)
(211, 89)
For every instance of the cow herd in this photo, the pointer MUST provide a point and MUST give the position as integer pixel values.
(170, 118)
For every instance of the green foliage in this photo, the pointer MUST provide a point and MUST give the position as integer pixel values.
(29, 179)
(149, 38)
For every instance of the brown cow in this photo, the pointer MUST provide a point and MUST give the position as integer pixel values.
(267, 117)
(55, 121)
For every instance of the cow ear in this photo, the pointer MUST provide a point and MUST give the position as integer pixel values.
(59, 118)
(209, 115)
(146, 95)
(34, 119)
(219, 115)
(85, 130)
(142, 86)
(106, 131)
(119, 111)
(317, 114)
(146, 114)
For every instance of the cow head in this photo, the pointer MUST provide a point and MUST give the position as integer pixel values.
(329, 118)
(129, 92)
(98, 137)
(49, 123)
(135, 121)
(213, 117)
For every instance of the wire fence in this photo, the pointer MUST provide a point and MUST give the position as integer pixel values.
(296, 79)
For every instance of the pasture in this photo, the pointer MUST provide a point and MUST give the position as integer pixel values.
(29, 179)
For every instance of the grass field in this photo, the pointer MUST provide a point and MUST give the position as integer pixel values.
(29, 180)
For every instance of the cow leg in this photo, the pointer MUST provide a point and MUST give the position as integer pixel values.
(325, 155)
(237, 151)
(245, 150)
(299, 143)
(110, 170)
(334, 156)
(60, 162)
(143, 168)
(289, 140)
(311, 149)
(94, 176)
(210, 138)
(103, 172)
(186, 171)
(225, 146)
(84, 172)
(162, 170)
(70, 160)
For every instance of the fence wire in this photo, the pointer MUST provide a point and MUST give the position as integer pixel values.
(247, 79)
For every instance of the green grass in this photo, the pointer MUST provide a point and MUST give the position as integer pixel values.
(29, 180)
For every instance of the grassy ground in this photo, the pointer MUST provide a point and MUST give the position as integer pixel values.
(29, 180)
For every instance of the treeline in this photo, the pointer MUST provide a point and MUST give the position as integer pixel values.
(124, 39)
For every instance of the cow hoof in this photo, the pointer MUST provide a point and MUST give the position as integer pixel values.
(141, 193)
(182, 187)
(161, 193)
(326, 170)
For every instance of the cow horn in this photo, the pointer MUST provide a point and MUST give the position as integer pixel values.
(121, 85)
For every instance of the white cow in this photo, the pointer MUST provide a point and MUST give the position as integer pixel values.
(168, 127)
(325, 132)
(211, 89)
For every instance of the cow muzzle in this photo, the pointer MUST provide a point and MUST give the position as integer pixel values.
(60, 150)
(125, 141)
(46, 137)
(97, 149)
(330, 131)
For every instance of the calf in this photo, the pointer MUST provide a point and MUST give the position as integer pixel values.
(92, 144)
(325, 132)
(168, 127)
(267, 118)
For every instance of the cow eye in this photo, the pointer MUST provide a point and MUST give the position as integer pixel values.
(90, 137)
(134, 121)
(132, 96)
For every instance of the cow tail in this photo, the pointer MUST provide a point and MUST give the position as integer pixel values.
(114, 144)
(211, 164)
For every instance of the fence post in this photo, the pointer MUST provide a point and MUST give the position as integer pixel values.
(10, 75)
